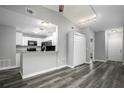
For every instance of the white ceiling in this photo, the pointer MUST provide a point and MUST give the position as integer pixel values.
(24, 23)
(74, 13)
(106, 16)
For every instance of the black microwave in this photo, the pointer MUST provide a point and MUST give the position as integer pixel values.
(32, 43)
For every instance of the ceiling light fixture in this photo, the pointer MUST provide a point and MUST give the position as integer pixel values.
(45, 24)
(115, 30)
(88, 19)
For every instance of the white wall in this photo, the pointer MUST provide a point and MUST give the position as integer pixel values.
(89, 34)
(64, 26)
(7, 43)
(100, 48)
(123, 44)
(101, 45)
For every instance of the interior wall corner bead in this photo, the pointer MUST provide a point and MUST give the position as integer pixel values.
(93, 9)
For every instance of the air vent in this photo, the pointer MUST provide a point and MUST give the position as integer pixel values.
(30, 11)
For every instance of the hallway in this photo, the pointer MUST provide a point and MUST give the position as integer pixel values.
(96, 75)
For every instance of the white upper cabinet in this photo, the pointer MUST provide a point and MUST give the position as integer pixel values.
(19, 38)
(26, 39)
(23, 39)
(38, 41)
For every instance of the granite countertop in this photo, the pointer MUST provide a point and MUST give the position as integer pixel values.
(36, 51)
(24, 50)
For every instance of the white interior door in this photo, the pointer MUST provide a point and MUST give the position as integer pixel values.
(115, 41)
(79, 50)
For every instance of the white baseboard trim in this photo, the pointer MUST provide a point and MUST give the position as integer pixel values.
(78, 65)
(42, 72)
(6, 68)
(70, 66)
(87, 62)
(100, 60)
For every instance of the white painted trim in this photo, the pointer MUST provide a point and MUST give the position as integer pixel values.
(100, 60)
(87, 62)
(78, 65)
(10, 67)
(44, 71)
(70, 66)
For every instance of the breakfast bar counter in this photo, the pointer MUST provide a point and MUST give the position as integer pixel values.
(37, 62)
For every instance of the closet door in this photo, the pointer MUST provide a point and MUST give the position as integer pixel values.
(79, 49)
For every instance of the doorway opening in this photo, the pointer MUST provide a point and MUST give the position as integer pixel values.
(114, 44)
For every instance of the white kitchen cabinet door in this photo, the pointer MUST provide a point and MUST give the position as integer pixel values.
(18, 38)
(18, 60)
(25, 40)
(38, 41)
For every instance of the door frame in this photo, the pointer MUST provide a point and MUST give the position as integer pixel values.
(106, 43)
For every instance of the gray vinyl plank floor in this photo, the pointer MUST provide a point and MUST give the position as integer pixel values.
(96, 75)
